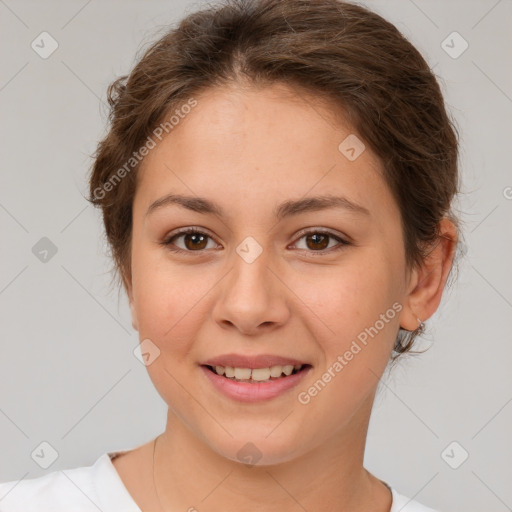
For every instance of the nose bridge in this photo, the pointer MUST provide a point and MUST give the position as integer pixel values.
(250, 276)
(251, 295)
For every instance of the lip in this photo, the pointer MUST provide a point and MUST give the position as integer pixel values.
(254, 392)
(257, 361)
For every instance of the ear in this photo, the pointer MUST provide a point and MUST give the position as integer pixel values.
(129, 291)
(427, 281)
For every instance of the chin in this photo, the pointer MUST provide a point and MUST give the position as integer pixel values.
(259, 449)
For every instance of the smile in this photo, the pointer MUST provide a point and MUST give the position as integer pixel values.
(256, 374)
(243, 384)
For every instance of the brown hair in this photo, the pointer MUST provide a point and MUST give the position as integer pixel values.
(338, 51)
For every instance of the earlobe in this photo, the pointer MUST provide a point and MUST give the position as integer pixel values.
(429, 280)
(409, 320)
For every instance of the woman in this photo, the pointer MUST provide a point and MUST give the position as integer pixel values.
(275, 188)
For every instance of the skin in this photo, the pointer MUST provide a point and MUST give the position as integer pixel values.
(248, 149)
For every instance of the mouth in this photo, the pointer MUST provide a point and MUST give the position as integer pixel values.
(257, 375)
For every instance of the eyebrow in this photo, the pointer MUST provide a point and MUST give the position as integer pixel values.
(285, 209)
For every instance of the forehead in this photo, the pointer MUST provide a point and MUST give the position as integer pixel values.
(251, 117)
(248, 143)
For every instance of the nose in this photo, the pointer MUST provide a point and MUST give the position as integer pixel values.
(251, 298)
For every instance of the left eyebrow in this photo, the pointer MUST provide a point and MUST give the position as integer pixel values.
(285, 209)
(311, 204)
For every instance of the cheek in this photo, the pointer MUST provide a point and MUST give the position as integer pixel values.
(359, 305)
(349, 298)
(171, 306)
(170, 300)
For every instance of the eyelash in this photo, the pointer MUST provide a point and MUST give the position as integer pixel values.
(168, 242)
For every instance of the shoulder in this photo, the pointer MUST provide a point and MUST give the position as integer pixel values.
(88, 488)
(49, 492)
(403, 504)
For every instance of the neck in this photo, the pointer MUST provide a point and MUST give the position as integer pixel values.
(189, 475)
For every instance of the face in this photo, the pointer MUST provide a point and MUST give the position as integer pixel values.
(310, 283)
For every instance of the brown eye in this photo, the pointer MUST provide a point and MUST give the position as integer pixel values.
(192, 241)
(318, 241)
(195, 241)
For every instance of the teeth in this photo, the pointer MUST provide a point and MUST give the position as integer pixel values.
(256, 374)
(288, 369)
(242, 373)
(276, 371)
(260, 373)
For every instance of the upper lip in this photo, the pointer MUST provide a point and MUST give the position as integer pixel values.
(257, 361)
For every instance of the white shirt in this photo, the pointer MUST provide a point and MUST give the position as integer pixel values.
(99, 488)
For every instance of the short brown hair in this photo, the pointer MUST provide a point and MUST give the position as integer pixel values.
(337, 51)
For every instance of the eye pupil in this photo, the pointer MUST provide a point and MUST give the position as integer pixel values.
(194, 237)
(323, 240)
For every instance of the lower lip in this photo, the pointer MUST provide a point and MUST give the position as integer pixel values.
(248, 392)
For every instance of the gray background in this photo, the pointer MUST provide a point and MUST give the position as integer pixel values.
(68, 372)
